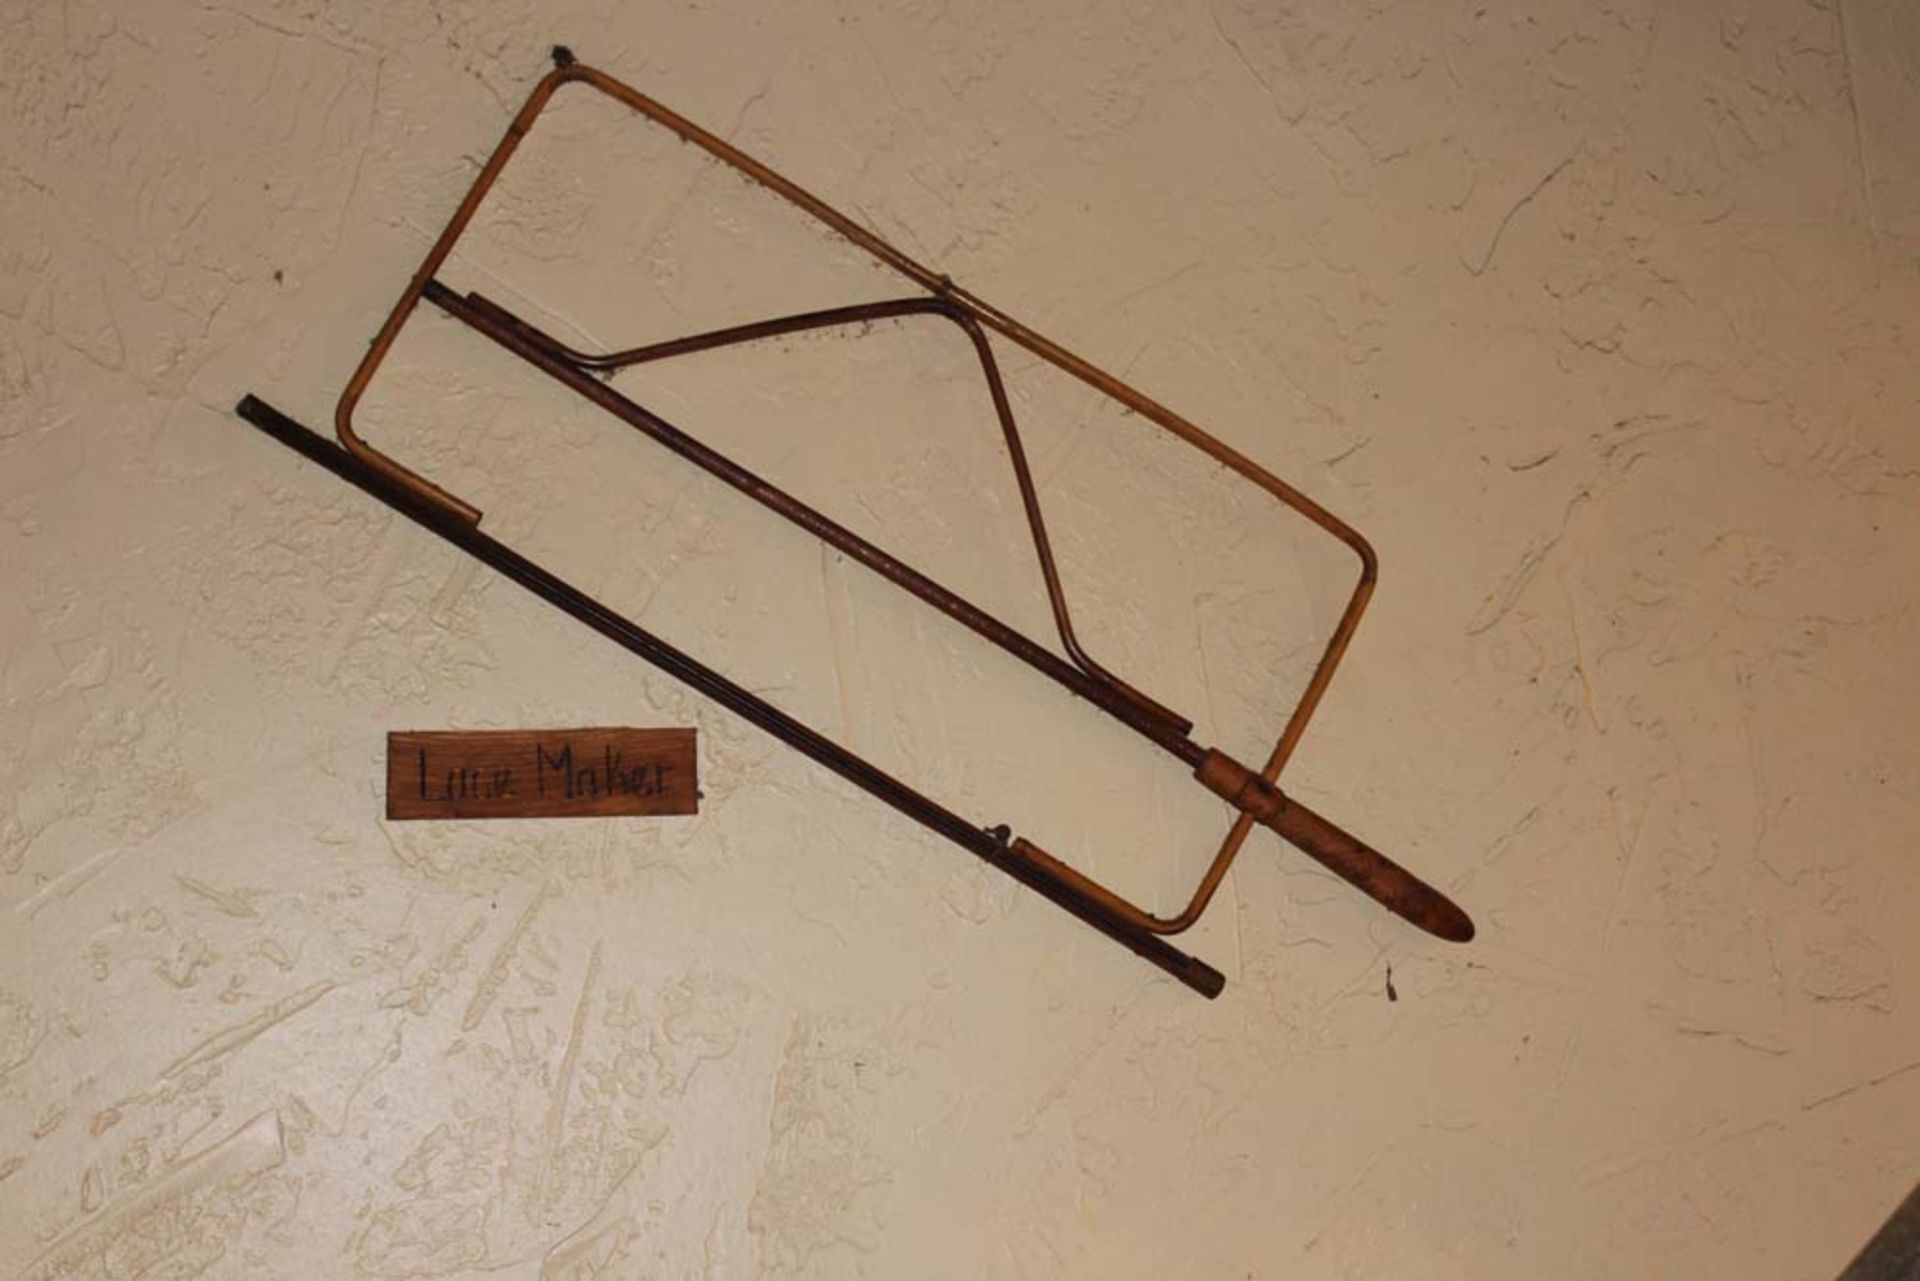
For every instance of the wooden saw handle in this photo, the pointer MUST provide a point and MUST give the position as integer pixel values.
(1373, 873)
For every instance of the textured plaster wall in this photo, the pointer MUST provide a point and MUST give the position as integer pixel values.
(1600, 320)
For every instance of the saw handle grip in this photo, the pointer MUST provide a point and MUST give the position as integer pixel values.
(1346, 855)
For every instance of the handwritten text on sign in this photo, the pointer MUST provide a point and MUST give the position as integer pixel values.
(555, 773)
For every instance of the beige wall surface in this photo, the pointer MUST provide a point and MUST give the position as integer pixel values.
(1600, 320)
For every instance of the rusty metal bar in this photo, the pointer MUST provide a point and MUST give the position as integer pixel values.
(491, 318)
(537, 349)
(1375, 875)
(992, 844)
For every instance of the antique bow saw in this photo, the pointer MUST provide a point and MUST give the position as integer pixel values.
(1252, 794)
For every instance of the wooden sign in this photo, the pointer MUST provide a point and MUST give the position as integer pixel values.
(548, 773)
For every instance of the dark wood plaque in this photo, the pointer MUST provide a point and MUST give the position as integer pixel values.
(542, 773)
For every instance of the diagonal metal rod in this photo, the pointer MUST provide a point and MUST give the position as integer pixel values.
(861, 314)
(535, 347)
(989, 844)
(1353, 860)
